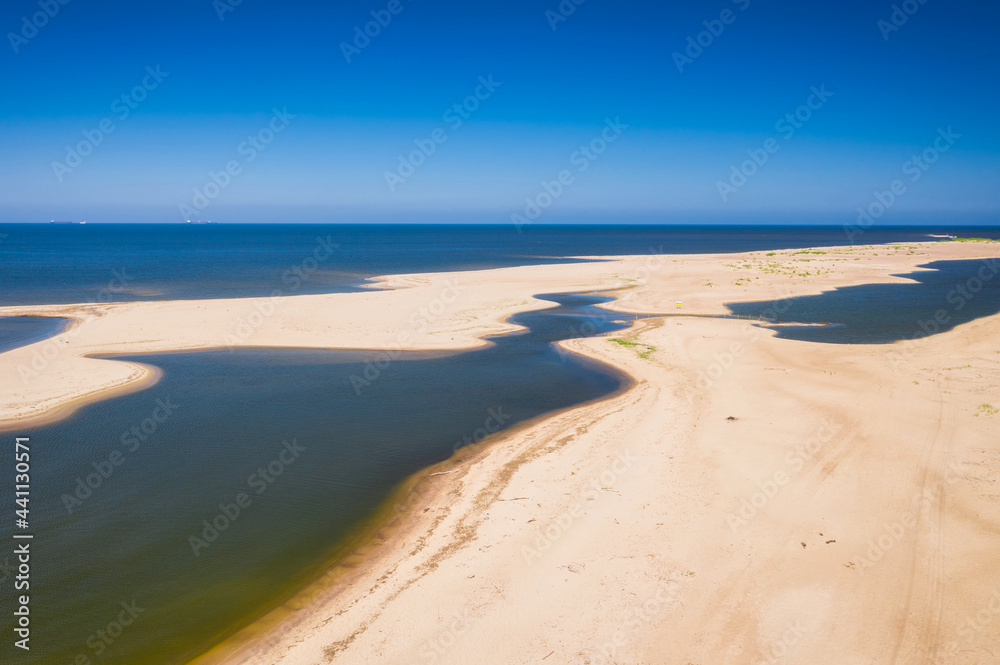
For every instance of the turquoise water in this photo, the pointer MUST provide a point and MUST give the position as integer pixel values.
(314, 449)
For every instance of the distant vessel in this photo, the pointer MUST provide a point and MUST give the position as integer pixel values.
(54, 221)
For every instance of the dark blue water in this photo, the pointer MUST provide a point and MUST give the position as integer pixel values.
(43, 263)
(213, 428)
(18, 331)
(944, 295)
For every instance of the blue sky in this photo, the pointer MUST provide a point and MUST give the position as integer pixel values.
(550, 91)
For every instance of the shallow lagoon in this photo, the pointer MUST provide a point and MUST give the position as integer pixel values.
(18, 331)
(125, 491)
(941, 296)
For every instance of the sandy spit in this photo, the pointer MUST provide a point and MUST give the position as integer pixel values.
(747, 500)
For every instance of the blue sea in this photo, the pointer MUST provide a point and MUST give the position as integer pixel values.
(74, 263)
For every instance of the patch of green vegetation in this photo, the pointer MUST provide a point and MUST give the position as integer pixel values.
(974, 240)
(808, 251)
(771, 253)
(988, 409)
(644, 351)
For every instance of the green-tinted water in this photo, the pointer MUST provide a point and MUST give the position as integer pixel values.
(134, 500)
